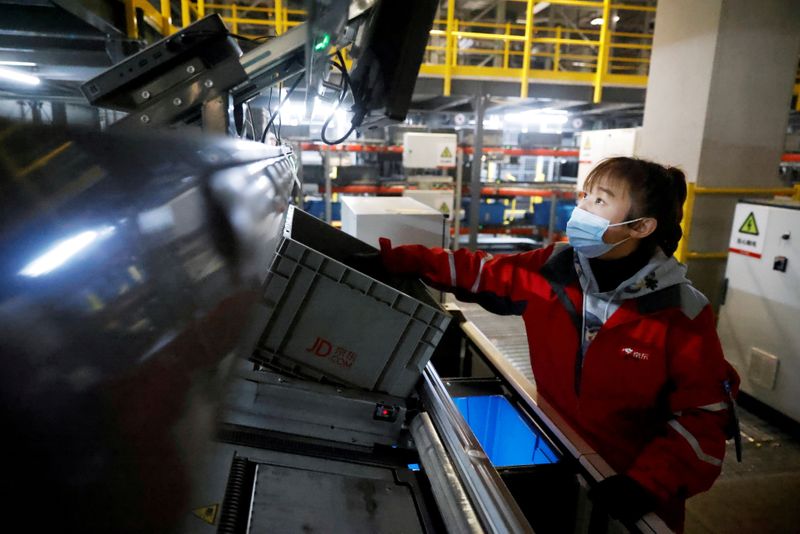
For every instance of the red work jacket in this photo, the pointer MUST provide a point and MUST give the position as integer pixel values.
(648, 395)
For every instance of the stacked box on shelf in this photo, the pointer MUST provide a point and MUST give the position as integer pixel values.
(541, 214)
(316, 207)
(491, 214)
(329, 322)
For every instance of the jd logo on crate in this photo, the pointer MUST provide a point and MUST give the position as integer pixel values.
(341, 356)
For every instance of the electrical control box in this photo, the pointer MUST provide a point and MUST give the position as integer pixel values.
(758, 322)
(429, 150)
(597, 145)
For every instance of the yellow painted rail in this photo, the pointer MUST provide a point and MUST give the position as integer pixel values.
(683, 253)
(507, 51)
(572, 54)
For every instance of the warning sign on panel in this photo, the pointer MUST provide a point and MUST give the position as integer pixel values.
(749, 228)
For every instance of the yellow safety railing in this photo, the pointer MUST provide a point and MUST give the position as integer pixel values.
(692, 190)
(445, 56)
(530, 40)
(598, 55)
(158, 15)
(159, 18)
(797, 95)
(278, 17)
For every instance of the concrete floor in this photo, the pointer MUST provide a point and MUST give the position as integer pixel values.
(760, 495)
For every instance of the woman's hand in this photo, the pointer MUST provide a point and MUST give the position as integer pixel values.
(623, 498)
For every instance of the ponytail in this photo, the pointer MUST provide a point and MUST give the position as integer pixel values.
(668, 232)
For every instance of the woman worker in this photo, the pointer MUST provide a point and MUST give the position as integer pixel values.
(621, 343)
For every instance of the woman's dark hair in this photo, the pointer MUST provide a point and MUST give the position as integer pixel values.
(656, 191)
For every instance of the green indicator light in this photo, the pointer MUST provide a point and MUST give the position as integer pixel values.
(323, 43)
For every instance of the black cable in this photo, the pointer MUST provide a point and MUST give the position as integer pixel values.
(277, 111)
(252, 124)
(250, 39)
(342, 66)
(269, 112)
(280, 125)
(346, 85)
(341, 139)
(201, 33)
(279, 120)
(242, 37)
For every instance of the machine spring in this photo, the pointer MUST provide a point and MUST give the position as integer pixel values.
(235, 507)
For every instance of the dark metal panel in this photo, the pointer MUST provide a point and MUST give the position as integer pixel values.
(128, 266)
(308, 500)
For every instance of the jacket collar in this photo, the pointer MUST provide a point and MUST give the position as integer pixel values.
(560, 266)
(560, 269)
(653, 303)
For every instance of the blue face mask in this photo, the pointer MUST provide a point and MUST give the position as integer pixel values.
(585, 232)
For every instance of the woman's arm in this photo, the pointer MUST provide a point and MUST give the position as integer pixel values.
(687, 458)
(471, 275)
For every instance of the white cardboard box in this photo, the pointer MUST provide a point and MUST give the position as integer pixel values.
(403, 220)
(438, 199)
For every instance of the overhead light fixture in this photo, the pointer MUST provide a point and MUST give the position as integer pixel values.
(18, 63)
(493, 122)
(598, 21)
(537, 116)
(538, 7)
(19, 77)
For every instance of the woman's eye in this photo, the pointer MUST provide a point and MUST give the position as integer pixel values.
(598, 201)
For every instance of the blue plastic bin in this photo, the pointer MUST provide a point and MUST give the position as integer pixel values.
(506, 437)
(316, 207)
(488, 214)
(541, 214)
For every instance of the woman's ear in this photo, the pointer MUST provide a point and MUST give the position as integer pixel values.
(643, 228)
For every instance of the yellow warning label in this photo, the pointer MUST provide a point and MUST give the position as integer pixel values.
(207, 513)
(587, 144)
(749, 225)
(444, 209)
(446, 153)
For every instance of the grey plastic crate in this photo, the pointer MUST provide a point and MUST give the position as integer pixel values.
(330, 322)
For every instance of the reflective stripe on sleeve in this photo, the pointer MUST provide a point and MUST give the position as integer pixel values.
(452, 261)
(477, 283)
(694, 444)
(716, 407)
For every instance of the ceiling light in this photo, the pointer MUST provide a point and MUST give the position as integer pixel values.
(537, 8)
(597, 21)
(540, 116)
(19, 77)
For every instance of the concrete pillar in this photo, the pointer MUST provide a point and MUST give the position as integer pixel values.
(718, 100)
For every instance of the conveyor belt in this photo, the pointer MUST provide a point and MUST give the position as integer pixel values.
(506, 332)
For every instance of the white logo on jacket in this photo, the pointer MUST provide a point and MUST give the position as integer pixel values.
(635, 354)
